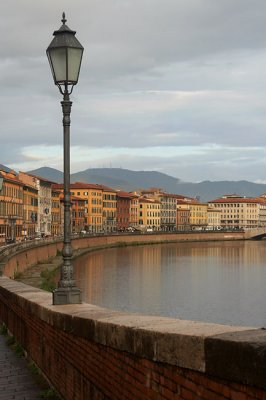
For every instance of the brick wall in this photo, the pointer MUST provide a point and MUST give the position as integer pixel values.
(92, 353)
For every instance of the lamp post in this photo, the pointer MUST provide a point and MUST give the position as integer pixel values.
(65, 54)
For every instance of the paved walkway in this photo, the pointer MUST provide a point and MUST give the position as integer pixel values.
(16, 381)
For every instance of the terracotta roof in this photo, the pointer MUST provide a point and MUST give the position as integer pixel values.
(181, 197)
(163, 194)
(39, 177)
(120, 193)
(30, 186)
(253, 200)
(107, 189)
(151, 201)
(11, 178)
(78, 185)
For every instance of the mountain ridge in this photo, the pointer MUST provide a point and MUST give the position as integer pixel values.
(125, 179)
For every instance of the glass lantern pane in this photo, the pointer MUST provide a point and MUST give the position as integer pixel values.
(58, 60)
(74, 60)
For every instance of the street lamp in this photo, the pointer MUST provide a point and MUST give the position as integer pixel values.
(65, 54)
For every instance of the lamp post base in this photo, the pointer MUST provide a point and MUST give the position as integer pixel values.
(71, 295)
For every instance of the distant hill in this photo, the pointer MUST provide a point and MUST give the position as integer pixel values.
(125, 179)
(119, 178)
(51, 174)
(4, 168)
(208, 190)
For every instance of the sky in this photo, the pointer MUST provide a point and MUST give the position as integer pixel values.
(175, 86)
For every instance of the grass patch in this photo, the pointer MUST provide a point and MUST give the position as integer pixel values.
(10, 341)
(19, 350)
(46, 261)
(48, 278)
(49, 394)
(18, 275)
(120, 244)
(34, 369)
(3, 329)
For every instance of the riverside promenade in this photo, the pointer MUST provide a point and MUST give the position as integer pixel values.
(16, 381)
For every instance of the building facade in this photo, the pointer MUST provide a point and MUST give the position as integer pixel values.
(182, 216)
(30, 211)
(92, 195)
(149, 214)
(11, 207)
(57, 221)
(109, 210)
(167, 210)
(123, 210)
(44, 188)
(238, 212)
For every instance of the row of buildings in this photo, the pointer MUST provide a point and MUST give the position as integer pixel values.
(32, 206)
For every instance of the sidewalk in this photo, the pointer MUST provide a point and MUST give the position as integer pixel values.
(16, 381)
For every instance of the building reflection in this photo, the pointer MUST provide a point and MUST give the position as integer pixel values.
(185, 280)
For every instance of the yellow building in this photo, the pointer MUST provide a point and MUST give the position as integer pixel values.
(198, 214)
(109, 209)
(168, 207)
(149, 214)
(57, 223)
(134, 212)
(92, 194)
(11, 207)
(30, 211)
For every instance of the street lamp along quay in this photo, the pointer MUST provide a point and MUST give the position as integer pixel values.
(65, 54)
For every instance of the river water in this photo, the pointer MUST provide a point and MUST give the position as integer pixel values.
(221, 282)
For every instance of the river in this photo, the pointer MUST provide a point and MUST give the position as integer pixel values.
(221, 282)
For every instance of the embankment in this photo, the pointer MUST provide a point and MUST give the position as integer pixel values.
(92, 353)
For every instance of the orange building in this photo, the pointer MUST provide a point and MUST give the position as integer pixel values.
(77, 214)
(92, 194)
(11, 207)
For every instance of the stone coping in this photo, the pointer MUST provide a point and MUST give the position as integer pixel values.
(227, 352)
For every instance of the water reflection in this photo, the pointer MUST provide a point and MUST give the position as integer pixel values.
(219, 282)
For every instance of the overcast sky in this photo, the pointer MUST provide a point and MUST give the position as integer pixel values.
(176, 86)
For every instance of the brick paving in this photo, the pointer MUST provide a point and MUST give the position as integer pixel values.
(16, 381)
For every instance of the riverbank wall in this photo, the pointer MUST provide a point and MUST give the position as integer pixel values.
(18, 257)
(88, 352)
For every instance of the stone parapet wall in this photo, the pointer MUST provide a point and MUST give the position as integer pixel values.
(88, 352)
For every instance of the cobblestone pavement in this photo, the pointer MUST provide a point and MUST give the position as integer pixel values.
(16, 381)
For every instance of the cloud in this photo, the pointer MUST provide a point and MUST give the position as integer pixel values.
(185, 77)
